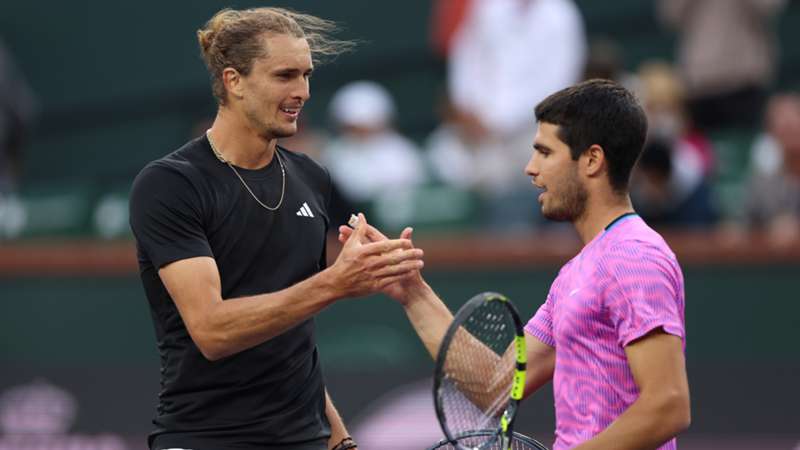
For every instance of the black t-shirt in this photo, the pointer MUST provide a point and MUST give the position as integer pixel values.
(190, 204)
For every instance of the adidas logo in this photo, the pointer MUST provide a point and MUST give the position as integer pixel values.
(305, 211)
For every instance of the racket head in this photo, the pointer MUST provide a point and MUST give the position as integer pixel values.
(484, 397)
(518, 442)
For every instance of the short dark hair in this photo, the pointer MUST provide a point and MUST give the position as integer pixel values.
(599, 112)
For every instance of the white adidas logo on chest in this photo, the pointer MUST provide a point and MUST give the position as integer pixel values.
(305, 211)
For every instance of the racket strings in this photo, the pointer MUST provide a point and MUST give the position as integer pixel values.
(479, 370)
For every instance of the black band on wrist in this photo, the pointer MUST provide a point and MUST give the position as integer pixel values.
(345, 444)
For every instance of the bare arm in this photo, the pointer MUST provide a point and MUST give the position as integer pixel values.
(541, 363)
(662, 409)
(222, 328)
(430, 318)
(338, 430)
(483, 379)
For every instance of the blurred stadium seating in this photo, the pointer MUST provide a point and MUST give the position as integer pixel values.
(107, 110)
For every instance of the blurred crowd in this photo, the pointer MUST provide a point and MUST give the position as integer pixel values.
(504, 56)
(712, 102)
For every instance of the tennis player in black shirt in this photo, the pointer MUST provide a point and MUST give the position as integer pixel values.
(230, 232)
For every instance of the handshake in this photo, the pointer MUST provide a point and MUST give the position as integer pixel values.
(371, 262)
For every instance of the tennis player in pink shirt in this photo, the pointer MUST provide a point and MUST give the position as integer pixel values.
(611, 333)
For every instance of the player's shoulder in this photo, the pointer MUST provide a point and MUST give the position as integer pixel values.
(567, 267)
(188, 158)
(633, 241)
(180, 166)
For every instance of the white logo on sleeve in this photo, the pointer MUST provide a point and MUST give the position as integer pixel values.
(305, 211)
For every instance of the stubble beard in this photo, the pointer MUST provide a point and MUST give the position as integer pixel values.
(572, 203)
(280, 132)
(269, 130)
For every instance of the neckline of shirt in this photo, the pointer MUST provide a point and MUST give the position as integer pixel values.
(618, 220)
(614, 223)
(267, 172)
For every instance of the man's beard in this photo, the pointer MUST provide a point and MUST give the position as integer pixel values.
(572, 203)
(278, 132)
(269, 130)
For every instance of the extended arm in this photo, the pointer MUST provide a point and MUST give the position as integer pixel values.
(662, 409)
(430, 318)
(222, 328)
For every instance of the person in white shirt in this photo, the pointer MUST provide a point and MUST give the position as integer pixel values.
(506, 57)
(369, 157)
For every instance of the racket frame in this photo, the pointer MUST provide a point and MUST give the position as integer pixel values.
(518, 381)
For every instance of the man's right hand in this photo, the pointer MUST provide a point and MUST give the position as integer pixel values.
(371, 262)
(401, 288)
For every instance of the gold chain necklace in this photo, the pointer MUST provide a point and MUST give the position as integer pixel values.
(280, 163)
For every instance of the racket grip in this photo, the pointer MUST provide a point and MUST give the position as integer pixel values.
(518, 386)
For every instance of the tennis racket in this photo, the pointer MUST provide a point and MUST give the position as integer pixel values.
(518, 442)
(480, 374)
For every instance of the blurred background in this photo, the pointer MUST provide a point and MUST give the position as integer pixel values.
(428, 123)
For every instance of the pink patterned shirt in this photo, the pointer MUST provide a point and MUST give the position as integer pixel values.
(625, 283)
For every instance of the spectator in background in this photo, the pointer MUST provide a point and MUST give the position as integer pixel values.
(17, 113)
(498, 55)
(446, 19)
(504, 58)
(727, 56)
(664, 97)
(671, 186)
(606, 60)
(368, 157)
(460, 155)
(772, 194)
(660, 200)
